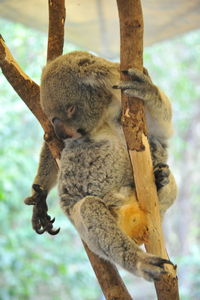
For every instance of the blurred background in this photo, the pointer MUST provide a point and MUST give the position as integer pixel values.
(56, 267)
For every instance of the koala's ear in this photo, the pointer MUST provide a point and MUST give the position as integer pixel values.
(94, 71)
(100, 78)
(91, 80)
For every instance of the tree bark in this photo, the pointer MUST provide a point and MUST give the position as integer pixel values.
(56, 28)
(29, 92)
(109, 279)
(133, 120)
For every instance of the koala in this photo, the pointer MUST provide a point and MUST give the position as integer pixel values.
(80, 94)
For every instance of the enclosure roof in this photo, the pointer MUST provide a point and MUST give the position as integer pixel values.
(93, 24)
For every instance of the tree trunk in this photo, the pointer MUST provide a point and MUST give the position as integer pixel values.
(131, 55)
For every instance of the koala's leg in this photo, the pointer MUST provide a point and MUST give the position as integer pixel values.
(45, 179)
(46, 175)
(98, 228)
(130, 218)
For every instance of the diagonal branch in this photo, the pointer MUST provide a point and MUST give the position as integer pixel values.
(29, 92)
(131, 34)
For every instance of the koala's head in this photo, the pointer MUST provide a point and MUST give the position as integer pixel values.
(76, 90)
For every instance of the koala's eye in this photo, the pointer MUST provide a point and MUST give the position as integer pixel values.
(53, 121)
(71, 109)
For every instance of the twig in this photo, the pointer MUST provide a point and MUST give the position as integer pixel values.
(131, 33)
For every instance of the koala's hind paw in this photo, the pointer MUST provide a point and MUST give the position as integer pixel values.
(41, 221)
(161, 174)
(151, 267)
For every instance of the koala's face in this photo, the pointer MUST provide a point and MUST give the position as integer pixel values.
(74, 95)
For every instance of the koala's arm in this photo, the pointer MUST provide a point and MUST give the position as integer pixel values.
(159, 125)
(159, 114)
(157, 106)
(47, 170)
(44, 181)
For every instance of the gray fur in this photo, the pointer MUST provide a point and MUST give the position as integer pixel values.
(95, 167)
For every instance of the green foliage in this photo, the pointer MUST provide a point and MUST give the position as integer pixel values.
(44, 267)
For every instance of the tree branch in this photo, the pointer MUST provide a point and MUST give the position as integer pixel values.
(56, 28)
(108, 277)
(131, 34)
(29, 92)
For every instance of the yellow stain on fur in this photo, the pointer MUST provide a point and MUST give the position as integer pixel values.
(133, 221)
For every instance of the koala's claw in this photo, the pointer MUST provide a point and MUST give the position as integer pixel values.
(158, 261)
(161, 174)
(152, 267)
(41, 221)
(52, 221)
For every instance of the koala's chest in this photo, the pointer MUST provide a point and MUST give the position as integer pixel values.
(92, 168)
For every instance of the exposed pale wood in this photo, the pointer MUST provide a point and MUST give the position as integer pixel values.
(131, 54)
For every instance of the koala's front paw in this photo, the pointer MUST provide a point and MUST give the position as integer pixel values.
(151, 267)
(41, 221)
(161, 174)
(139, 85)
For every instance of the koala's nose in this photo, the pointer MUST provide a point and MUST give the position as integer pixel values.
(59, 128)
